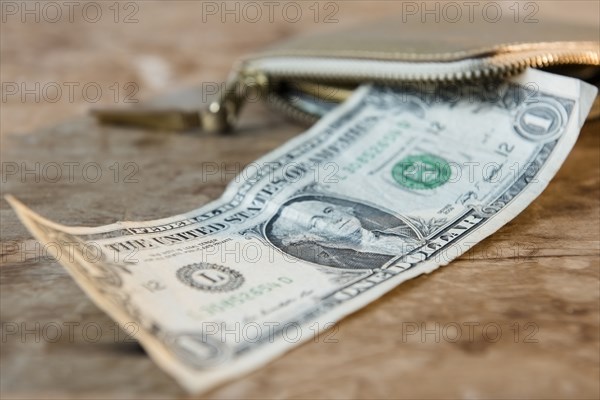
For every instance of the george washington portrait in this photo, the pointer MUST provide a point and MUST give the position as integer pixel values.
(340, 233)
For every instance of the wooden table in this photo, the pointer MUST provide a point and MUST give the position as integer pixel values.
(536, 281)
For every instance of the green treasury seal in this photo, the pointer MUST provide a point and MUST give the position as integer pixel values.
(424, 171)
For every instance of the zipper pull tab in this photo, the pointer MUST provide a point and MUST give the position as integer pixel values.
(220, 115)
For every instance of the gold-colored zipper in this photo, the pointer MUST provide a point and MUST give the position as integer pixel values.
(317, 75)
(317, 81)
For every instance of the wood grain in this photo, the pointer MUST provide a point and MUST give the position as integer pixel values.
(539, 273)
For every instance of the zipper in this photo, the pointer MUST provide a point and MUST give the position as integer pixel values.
(329, 72)
(262, 76)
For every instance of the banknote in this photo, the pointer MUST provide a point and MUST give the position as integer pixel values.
(390, 185)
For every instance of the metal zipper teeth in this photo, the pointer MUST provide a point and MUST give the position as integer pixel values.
(282, 105)
(356, 70)
(499, 66)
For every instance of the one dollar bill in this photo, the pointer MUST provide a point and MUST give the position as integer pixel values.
(390, 185)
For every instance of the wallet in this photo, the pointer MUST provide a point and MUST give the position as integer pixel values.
(307, 76)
